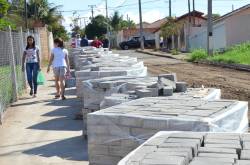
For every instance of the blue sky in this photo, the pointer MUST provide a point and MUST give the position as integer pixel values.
(152, 9)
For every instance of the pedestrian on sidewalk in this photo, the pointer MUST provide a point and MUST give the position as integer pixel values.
(96, 43)
(32, 59)
(60, 62)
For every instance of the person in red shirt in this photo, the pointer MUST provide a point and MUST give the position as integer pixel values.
(96, 43)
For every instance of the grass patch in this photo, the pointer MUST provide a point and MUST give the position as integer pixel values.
(238, 54)
(197, 55)
(6, 88)
(5, 85)
(175, 52)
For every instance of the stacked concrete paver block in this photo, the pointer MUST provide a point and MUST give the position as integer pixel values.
(94, 91)
(116, 99)
(190, 148)
(93, 64)
(113, 132)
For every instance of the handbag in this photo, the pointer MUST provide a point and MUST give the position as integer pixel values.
(70, 81)
(40, 78)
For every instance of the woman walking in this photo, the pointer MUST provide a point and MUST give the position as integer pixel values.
(32, 59)
(60, 62)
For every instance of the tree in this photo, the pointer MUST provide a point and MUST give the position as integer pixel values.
(171, 27)
(4, 22)
(127, 24)
(77, 30)
(61, 32)
(4, 6)
(115, 21)
(97, 27)
(214, 16)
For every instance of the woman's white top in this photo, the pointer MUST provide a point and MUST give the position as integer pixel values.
(59, 57)
(31, 55)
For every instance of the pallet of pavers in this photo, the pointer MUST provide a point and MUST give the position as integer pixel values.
(116, 131)
(138, 70)
(110, 91)
(203, 93)
(80, 55)
(191, 148)
(119, 98)
(94, 91)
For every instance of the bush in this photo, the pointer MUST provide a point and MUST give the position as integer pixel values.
(174, 52)
(197, 55)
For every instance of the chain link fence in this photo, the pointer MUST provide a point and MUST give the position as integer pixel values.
(12, 78)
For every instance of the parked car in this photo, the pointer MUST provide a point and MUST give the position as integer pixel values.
(135, 43)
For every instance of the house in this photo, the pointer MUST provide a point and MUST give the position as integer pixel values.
(189, 23)
(230, 29)
(144, 24)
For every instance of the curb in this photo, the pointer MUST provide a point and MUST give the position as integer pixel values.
(156, 54)
(239, 67)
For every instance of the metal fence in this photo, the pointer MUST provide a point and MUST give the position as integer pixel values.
(12, 79)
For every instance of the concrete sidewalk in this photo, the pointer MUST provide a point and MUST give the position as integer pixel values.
(42, 130)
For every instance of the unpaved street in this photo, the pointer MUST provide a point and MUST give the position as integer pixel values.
(234, 84)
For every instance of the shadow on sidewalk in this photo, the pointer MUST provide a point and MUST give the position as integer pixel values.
(59, 124)
(70, 149)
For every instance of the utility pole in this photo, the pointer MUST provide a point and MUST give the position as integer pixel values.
(193, 12)
(141, 27)
(189, 12)
(232, 7)
(170, 8)
(107, 17)
(26, 14)
(209, 28)
(128, 22)
(92, 10)
(189, 23)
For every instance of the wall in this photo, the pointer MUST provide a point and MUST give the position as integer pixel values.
(199, 39)
(238, 29)
(44, 42)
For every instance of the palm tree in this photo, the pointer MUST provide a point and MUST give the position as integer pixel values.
(115, 21)
(41, 11)
(171, 28)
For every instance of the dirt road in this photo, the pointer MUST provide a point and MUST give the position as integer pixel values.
(234, 84)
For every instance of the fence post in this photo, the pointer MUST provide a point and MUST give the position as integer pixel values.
(21, 51)
(13, 67)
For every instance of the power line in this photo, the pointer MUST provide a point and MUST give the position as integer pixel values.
(92, 9)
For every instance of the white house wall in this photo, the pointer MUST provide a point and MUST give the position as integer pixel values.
(238, 29)
(199, 40)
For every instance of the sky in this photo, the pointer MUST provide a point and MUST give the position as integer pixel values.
(152, 10)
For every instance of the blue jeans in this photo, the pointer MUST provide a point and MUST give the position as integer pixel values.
(32, 72)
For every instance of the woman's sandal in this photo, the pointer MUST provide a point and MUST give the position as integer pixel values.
(57, 96)
(63, 97)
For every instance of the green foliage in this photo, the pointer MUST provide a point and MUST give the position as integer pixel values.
(238, 54)
(77, 30)
(171, 27)
(116, 21)
(197, 55)
(5, 24)
(214, 16)
(60, 32)
(4, 6)
(97, 27)
(175, 52)
(127, 24)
